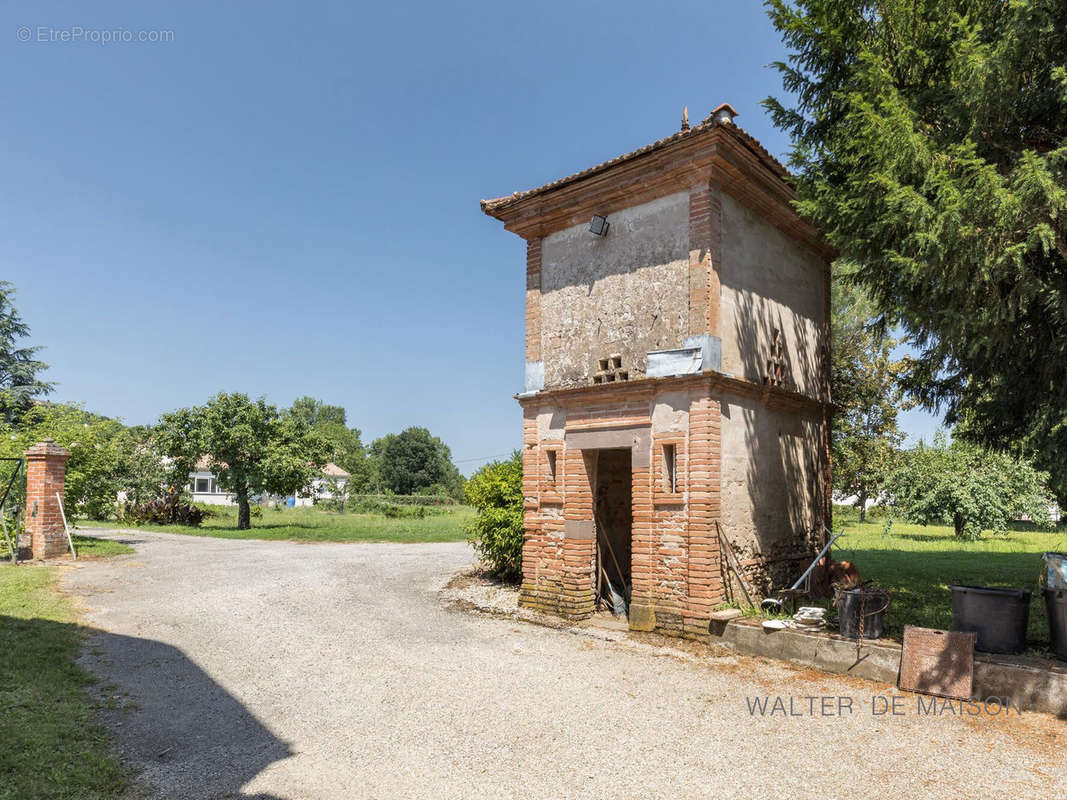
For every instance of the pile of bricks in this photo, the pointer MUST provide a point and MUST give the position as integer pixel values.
(611, 370)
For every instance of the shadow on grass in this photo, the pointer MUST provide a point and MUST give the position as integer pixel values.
(918, 581)
(188, 735)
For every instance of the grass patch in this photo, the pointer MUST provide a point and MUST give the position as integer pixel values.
(917, 563)
(443, 524)
(91, 547)
(50, 744)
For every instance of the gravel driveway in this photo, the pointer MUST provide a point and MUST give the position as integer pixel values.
(282, 670)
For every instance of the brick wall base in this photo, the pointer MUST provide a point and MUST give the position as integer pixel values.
(676, 566)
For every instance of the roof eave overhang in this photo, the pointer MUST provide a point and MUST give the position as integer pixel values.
(717, 154)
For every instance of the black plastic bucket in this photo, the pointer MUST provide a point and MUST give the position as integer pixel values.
(1056, 605)
(999, 616)
(861, 613)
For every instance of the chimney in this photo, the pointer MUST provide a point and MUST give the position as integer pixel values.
(723, 114)
(685, 118)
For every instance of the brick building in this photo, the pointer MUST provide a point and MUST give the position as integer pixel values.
(676, 405)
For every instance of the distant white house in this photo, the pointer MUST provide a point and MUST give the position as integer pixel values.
(323, 488)
(205, 488)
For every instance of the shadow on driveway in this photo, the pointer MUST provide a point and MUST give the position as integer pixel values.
(179, 727)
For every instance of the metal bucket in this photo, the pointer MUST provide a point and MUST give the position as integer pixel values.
(861, 612)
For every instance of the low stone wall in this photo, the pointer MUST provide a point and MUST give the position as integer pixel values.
(1035, 684)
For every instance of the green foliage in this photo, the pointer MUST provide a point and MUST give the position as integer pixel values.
(930, 145)
(441, 524)
(918, 562)
(18, 365)
(168, 510)
(140, 473)
(866, 389)
(250, 447)
(495, 491)
(94, 442)
(412, 461)
(970, 488)
(345, 447)
(53, 746)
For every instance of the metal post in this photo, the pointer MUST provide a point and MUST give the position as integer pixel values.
(12, 550)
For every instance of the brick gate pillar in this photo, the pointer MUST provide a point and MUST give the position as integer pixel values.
(46, 470)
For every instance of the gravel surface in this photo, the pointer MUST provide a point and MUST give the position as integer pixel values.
(282, 670)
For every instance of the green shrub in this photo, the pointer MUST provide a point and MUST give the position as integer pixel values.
(168, 510)
(497, 533)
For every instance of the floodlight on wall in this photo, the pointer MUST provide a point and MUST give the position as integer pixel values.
(599, 225)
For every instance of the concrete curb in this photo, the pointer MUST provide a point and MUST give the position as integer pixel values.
(1034, 684)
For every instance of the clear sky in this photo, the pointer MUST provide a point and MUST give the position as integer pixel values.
(282, 199)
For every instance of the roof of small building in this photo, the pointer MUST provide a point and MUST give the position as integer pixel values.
(334, 471)
(709, 124)
(203, 464)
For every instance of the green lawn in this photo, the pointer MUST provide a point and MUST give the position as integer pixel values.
(443, 524)
(50, 744)
(917, 563)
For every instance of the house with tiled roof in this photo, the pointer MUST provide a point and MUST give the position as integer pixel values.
(205, 488)
(676, 401)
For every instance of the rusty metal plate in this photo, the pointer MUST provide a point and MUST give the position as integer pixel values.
(937, 662)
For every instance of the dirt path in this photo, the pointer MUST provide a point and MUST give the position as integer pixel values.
(281, 670)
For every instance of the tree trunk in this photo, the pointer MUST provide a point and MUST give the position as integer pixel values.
(244, 513)
(958, 523)
(863, 506)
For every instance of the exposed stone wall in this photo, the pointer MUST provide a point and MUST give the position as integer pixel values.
(770, 283)
(772, 486)
(627, 292)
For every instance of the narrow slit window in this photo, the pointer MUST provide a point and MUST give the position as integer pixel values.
(670, 471)
(551, 454)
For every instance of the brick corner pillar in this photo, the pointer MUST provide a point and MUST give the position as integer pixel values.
(46, 470)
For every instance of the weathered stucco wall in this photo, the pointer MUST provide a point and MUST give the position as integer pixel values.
(771, 495)
(769, 283)
(627, 292)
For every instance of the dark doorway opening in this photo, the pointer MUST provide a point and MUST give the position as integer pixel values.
(613, 513)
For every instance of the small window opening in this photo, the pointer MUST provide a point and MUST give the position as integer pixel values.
(551, 466)
(670, 473)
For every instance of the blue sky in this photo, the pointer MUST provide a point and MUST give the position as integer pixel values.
(283, 199)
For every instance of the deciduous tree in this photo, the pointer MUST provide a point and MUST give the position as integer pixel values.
(969, 487)
(865, 384)
(250, 446)
(415, 460)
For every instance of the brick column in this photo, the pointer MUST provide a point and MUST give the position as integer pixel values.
(705, 296)
(46, 470)
(579, 536)
(642, 559)
(533, 300)
(705, 483)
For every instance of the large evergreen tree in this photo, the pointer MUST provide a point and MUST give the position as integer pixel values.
(19, 365)
(930, 144)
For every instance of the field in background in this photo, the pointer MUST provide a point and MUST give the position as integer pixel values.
(441, 524)
(917, 563)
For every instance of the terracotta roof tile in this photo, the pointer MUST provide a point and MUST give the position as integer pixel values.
(749, 141)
